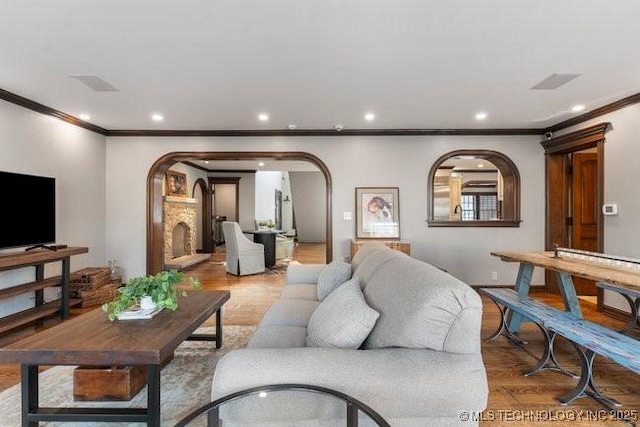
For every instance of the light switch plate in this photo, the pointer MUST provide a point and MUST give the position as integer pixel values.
(610, 209)
(347, 216)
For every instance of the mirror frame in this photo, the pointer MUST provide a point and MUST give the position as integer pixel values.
(511, 202)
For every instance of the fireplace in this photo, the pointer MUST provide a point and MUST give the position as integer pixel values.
(180, 233)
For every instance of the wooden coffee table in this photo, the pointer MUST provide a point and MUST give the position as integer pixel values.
(91, 339)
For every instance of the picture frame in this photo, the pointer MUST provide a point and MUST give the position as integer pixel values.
(378, 213)
(176, 184)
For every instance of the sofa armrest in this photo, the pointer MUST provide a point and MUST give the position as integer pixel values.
(303, 273)
(398, 382)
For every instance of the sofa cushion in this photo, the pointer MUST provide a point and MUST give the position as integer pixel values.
(289, 312)
(365, 250)
(374, 261)
(421, 306)
(343, 319)
(333, 275)
(272, 336)
(300, 291)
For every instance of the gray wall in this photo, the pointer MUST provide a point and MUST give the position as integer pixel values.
(353, 161)
(308, 192)
(36, 144)
(247, 202)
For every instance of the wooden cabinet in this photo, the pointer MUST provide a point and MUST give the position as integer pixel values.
(398, 245)
(37, 259)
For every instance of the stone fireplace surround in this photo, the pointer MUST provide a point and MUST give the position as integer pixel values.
(179, 215)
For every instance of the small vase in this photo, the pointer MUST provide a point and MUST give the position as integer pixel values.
(146, 303)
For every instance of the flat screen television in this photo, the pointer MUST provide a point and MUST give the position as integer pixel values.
(28, 212)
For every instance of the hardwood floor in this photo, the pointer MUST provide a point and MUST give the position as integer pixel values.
(513, 399)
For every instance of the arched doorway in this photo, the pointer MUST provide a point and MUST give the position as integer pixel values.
(155, 181)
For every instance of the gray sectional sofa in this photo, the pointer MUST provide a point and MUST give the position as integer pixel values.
(413, 353)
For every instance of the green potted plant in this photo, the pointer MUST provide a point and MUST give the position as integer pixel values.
(271, 225)
(162, 288)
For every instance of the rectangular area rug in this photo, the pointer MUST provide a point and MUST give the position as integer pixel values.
(185, 383)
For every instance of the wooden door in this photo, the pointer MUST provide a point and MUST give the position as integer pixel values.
(585, 211)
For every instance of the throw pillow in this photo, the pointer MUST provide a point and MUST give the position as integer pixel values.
(332, 275)
(343, 319)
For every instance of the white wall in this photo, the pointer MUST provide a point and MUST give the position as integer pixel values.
(621, 175)
(309, 202)
(353, 162)
(266, 184)
(36, 144)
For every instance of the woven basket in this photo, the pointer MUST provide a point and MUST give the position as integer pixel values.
(89, 279)
(105, 293)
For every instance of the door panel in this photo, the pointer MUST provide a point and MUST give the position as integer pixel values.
(585, 209)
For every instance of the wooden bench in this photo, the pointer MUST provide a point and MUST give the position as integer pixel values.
(587, 337)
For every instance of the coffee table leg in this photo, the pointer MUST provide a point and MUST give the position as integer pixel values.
(30, 400)
(153, 395)
(219, 328)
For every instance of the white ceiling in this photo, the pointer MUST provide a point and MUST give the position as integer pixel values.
(207, 64)
(254, 165)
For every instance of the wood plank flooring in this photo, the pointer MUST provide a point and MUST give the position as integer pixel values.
(513, 399)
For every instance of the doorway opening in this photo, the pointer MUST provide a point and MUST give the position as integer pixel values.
(155, 182)
(574, 175)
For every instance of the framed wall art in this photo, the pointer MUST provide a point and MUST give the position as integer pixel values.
(176, 184)
(377, 213)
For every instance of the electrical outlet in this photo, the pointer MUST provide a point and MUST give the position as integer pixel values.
(347, 216)
(494, 275)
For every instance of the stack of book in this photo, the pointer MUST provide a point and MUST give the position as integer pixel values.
(138, 313)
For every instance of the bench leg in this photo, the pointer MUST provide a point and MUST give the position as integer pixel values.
(503, 329)
(634, 320)
(586, 381)
(503, 324)
(548, 355)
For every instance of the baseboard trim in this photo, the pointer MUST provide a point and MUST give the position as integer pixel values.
(532, 289)
(616, 313)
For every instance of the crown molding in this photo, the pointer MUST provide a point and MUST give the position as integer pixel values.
(593, 114)
(43, 109)
(323, 132)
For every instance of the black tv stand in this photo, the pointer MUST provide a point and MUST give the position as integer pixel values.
(51, 248)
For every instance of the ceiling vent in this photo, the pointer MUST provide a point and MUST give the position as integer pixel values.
(554, 81)
(96, 83)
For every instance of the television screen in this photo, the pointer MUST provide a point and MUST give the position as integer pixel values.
(28, 213)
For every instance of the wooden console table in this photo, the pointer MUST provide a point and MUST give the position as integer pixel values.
(398, 245)
(37, 259)
(565, 268)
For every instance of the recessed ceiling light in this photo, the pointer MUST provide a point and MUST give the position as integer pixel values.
(206, 162)
(263, 117)
(480, 165)
(369, 117)
(157, 117)
(338, 128)
(261, 164)
(292, 127)
(84, 116)
(577, 108)
(262, 394)
(481, 116)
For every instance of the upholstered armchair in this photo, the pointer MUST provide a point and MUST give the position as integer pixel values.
(243, 256)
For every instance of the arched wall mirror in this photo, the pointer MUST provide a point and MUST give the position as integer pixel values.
(474, 188)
